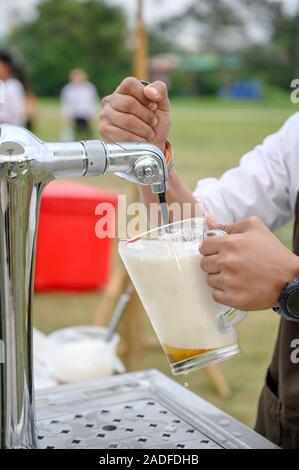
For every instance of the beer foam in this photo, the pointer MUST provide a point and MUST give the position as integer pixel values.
(182, 236)
(161, 247)
(83, 360)
(191, 232)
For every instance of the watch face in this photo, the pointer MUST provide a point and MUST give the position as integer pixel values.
(293, 303)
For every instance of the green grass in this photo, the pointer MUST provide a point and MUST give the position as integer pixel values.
(209, 138)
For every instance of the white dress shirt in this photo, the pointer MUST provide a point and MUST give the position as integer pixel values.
(13, 109)
(79, 100)
(265, 183)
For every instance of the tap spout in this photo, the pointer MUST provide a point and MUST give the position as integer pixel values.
(140, 163)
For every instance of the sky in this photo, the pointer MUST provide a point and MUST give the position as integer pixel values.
(154, 9)
(12, 10)
(15, 10)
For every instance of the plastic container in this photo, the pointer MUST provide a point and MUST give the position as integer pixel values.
(42, 354)
(70, 256)
(81, 353)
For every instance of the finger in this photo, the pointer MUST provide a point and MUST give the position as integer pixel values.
(157, 92)
(129, 104)
(231, 228)
(211, 221)
(211, 245)
(133, 87)
(106, 100)
(210, 265)
(129, 122)
(221, 297)
(114, 134)
(153, 106)
(239, 227)
(216, 281)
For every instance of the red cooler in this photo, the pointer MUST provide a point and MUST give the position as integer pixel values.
(69, 254)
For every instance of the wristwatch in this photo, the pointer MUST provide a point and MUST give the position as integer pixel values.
(288, 302)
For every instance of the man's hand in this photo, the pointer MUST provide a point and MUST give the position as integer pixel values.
(136, 113)
(248, 268)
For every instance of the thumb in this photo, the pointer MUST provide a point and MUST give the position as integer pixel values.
(239, 227)
(211, 221)
(158, 93)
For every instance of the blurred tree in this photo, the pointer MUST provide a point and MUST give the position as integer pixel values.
(278, 61)
(161, 44)
(225, 26)
(74, 33)
(286, 42)
(212, 21)
(218, 30)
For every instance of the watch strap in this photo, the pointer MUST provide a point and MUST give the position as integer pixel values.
(281, 307)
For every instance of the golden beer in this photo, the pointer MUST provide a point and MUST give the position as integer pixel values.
(181, 354)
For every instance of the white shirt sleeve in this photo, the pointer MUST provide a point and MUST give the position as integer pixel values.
(262, 185)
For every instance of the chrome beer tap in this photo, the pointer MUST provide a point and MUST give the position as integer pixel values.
(26, 165)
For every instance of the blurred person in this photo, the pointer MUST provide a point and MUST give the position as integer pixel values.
(31, 107)
(79, 104)
(30, 99)
(249, 268)
(13, 110)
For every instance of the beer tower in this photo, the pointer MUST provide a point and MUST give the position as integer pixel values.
(26, 166)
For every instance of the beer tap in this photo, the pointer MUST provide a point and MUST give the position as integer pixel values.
(26, 165)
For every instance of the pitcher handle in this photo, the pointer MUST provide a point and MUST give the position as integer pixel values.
(215, 233)
(231, 317)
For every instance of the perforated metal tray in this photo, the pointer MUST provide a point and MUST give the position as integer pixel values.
(144, 410)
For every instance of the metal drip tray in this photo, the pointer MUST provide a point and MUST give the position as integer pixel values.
(143, 410)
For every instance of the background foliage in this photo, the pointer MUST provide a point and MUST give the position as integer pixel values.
(68, 34)
(94, 35)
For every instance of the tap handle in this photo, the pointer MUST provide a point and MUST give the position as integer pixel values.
(138, 162)
(97, 157)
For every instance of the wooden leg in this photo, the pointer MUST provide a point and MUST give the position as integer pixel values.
(133, 332)
(218, 381)
(117, 285)
(132, 326)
